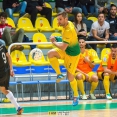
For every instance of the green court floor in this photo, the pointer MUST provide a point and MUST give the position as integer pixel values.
(55, 108)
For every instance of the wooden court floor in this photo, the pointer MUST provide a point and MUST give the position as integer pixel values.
(86, 108)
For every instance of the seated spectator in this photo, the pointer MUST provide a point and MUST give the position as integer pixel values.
(99, 31)
(112, 19)
(13, 6)
(8, 35)
(84, 70)
(102, 5)
(108, 70)
(38, 6)
(80, 26)
(68, 6)
(87, 6)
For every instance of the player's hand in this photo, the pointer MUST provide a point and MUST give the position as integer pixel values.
(86, 59)
(52, 39)
(11, 73)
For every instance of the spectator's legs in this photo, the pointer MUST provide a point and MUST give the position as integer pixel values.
(10, 12)
(7, 36)
(84, 10)
(113, 38)
(94, 46)
(18, 37)
(33, 14)
(2, 42)
(92, 9)
(21, 8)
(47, 12)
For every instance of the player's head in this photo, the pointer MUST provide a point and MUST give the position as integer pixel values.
(82, 42)
(101, 17)
(113, 10)
(3, 17)
(114, 51)
(62, 18)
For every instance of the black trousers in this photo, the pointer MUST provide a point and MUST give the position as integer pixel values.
(45, 11)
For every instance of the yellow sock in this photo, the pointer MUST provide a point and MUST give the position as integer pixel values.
(106, 84)
(93, 87)
(80, 84)
(74, 87)
(55, 64)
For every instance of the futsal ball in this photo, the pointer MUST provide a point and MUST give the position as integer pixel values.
(5, 100)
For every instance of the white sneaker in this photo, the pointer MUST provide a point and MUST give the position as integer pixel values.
(92, 96)
(84, 97)
(108, 96)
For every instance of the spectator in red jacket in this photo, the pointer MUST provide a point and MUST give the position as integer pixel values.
(8, 34)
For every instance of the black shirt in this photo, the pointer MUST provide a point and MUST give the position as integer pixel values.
(9, 3)
(4, 66)
(113, 24)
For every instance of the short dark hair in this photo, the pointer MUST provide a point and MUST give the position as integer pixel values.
(3, 14)
(101, 13)
(63, 13)
(82, 37)
(113, 5)
(114, 45)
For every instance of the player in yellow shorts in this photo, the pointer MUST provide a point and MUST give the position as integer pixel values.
(68, 50)
(108, 70)
(84, 70)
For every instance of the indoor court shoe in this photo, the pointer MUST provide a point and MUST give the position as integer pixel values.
(60, 77)
(84, 97)
(75, 101)
(19, 111)
(108, 96)
(92, 96)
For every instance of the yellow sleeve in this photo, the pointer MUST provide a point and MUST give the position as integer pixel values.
(67, 36)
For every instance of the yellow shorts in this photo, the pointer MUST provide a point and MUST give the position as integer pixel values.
(101, 76)
(90, 74)
(70, 62)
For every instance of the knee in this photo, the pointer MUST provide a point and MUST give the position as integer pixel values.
(79, 77)
(24, 3)
(95, 78)
(6, 30)
(21, 31)
(50, 54)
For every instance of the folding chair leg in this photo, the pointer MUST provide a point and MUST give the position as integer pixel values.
(55, 91)
(22, 93)
(17, 92)
(40, 91)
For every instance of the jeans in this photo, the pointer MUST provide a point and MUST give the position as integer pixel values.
(94, 46)
(2, 42)
(21, 9)
(91, 9)
(113, 38)
(74, 10)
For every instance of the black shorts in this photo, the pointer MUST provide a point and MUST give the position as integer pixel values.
(4, 82)
(115, 78)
